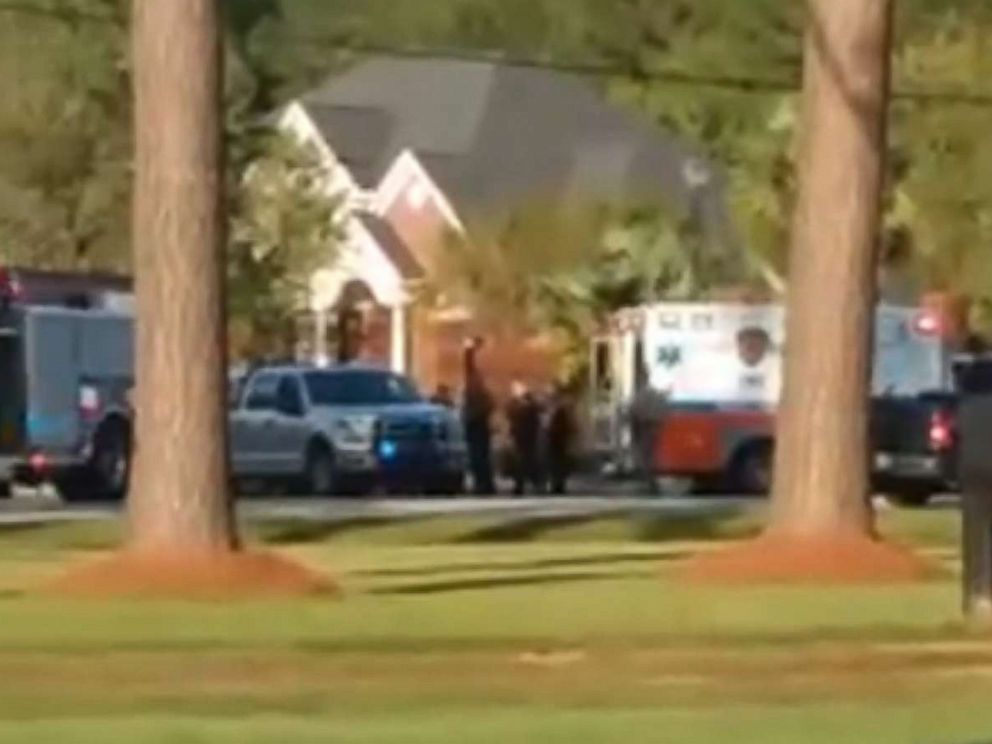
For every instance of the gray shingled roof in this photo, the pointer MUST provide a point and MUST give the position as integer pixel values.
(393, 245)
(495, 136)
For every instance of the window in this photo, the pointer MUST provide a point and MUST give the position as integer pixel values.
(289, 397)
(11, 394)
(262, 393)
(360, 388)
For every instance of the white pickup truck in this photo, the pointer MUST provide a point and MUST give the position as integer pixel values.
(347, 429)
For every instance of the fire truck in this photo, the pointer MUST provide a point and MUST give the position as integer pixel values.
(719, 365)
(66, 371)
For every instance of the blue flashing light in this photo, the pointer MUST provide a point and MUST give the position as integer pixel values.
(387, 450)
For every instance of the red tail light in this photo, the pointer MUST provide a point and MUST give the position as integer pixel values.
(941, 432)
(38, 462)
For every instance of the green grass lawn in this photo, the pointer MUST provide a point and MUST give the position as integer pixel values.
(495, 630)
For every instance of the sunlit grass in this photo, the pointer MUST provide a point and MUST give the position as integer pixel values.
(926, 723)
(481, 580)
(430, 639)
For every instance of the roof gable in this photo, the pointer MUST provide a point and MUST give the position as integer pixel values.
(492, 136)
(392, 245)
(424, 105)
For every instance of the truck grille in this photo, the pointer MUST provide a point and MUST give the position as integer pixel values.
(400, 431)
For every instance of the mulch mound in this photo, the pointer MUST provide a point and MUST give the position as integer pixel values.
(821, 559)
(225, 575)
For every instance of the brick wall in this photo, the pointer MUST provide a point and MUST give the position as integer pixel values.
(436, 346)
(439, 348)
(422, 228)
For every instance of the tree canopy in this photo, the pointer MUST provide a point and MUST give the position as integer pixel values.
(287, 222)
(721, 73)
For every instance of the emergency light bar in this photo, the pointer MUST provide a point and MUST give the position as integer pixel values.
(928, 323)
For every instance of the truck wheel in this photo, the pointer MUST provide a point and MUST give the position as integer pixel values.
(449, 484)
(751, 472)
(111, 460)
(76, 484)
(912, 497)
(320, 478)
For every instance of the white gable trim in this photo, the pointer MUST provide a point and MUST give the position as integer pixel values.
(406, 168)
(361, 259)
(295, 120)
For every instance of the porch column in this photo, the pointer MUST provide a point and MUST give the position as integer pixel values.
(320, 356)
(398, 339)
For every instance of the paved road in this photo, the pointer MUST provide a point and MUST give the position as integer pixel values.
(33, 509)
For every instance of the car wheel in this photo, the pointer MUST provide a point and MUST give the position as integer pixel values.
(751, 472)
(5, 490)
(320, 476)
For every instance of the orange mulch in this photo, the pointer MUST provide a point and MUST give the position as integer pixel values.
(820, 559)
(225, 575)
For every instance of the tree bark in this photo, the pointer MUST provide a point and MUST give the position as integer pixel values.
(180, 497)
(822, 467)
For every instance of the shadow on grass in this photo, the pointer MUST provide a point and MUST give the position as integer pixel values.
(82, 535)
(730, 524)
(610, 559)
(19, 528)
(293, 532)
(502, 582)
(527, 529)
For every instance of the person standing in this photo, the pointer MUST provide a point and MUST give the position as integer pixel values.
(523, 416)
(560, 436)
(477, 410)
(646, 418)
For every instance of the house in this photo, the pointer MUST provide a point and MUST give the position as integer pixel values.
(424, 146)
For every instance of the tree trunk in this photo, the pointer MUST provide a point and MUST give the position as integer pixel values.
(822, 468)
(180, 498)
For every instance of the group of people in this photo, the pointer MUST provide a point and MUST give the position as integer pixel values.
(542, 440)
(541, 433)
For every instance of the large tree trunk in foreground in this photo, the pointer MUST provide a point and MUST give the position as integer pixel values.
(822, 469)
(179, 496)
(183, 543)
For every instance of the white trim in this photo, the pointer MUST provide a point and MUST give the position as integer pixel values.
(295, 120)
(397, 339)
(405, 168)
(361, 259)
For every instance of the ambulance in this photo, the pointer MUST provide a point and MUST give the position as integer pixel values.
(720, 366)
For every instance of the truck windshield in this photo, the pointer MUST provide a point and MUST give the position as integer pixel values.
(359, 388)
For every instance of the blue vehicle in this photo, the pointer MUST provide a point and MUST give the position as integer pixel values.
(66, 369)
